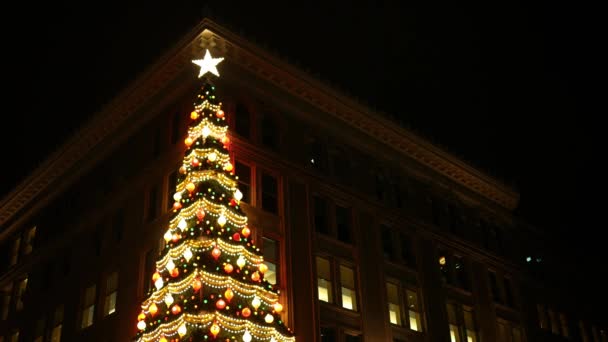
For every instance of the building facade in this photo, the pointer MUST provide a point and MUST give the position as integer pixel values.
(371, 232)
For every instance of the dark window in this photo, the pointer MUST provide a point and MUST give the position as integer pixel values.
(406, 249)
(341, 167)
(242, 121)
(508, 293)
(343, 223)
(118, 224)
(328, 334)
(320, 206)
(315, 155)
(156, 144)
(97, 240)
(66, 264)
(352, 338)
(436, 209)
(462, 277)
(270, 133)
(152, 202)
(387, 243)
(380, 186)
(244, 173)
(175, 127)
(171, 188)
(494, 287)
(269, 193)
(150, 268)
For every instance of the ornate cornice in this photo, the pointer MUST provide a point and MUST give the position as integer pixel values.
(267, 67)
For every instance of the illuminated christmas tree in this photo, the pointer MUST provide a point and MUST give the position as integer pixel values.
(209, 281)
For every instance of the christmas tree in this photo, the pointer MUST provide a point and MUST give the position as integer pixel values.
(209, 281)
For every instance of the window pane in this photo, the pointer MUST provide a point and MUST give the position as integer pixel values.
(89, 296)
(494, 287)
(320, 205)
(516, 334)
(347, 277)
(271, 259)
(415, 321)
(243, 173)
(15, 251)
(270, 132)
(242, 121)
(413, 310)
(15, 336)
(112, 282)
(110, 303)
(412, 300)
(406, 253)
(6, 300)
(20, 291)
(454, 336)
(502, 333)
(347, 281)
(152, 202)
(394, 313)
(349, 299)
(328, 335)
(56, 334)
(508, 293)
(343, 223)
(324, 280)
(29, 240)
(461, 273)
(271, 274)
(387, 243)
(87, 316)
(394, 307)
(269, 193)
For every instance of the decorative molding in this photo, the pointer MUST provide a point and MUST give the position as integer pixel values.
(238, 51)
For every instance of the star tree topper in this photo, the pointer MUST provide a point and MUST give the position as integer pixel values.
(208, 64)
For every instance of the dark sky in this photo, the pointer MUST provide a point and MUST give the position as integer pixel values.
(513, 88)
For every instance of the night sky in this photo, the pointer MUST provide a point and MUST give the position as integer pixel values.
(513, 89)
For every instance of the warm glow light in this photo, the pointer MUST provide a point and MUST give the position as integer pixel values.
(170, 265)
(208, 64)
(177, 196)
(256, 302)
(215, 329)
(278, 307)
(221, 220)
(187, 254)
(167, 236)
(182, 224)
(168, 299)
(159, 283)
(246, 336)
(238, 195)
(182, 330)
(442, 260)
(212, 156)
(141, 325)
(240, 262)
(269, 318)
(206, 131)
(153, 309)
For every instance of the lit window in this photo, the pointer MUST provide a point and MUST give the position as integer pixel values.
(28, 245)
(470, 327)
(394, 308)
(413, 310)
(564, 323)
(324, 280)
(57, 324)
(453, 322)
(347, 283)
(88, 307)
(20, 292)
(15, 251)
(111, 292)
(271, 259)
(454, 334)
(39, 330)
(6, 300)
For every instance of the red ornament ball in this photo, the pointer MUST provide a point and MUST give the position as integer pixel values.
(246, 312)
(200, 213)
(174, 272)
(220, 304)
(220, 113)
(236, 237)
(176, 309)
(177, 206)
(228, 268)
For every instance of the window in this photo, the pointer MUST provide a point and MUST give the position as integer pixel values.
(271, 259)
(320, 212)
(445, 267)
(243, 173)
(39, 330)
(387, 243)
(340, 166)
(405, 245)
(28, 243)
(15, 336)
(57, 324)
(583, 331)
(171, 187)
(462, 277)
(152, 203)
(343, 223)
(242, 121)
(554, 323)
(494, 287)
(461, 322)
(270, 193)
(564, 325)
(156, 144)
(542, 316)
(118, 225)
(324, 287)
(502, 335)
(394, 306)
(381, 185)
(508, 332)
(15, 251)
(6, 300)
(176, 127)
(111, 291)
(508, 293)
(347, 283)
(413, 306)
(315, 154)
(149, 269)
(88, 307)
(517, 335)
(270, 132)
(470, 326)
(328, 334)
(21, 287)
